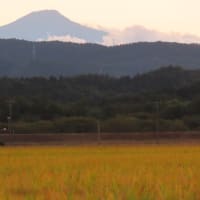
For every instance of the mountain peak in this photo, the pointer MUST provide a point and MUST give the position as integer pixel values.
(40, 25)
(45, 13)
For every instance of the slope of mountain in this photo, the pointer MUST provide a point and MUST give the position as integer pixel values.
(44, 24)
(22, 58)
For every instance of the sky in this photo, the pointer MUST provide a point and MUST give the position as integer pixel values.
(166, 16)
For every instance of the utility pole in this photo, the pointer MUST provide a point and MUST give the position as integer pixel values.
(10, 116)
(157, 124)
(99, 131)
(33, 52)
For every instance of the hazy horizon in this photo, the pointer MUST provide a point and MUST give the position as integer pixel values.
(126, 21)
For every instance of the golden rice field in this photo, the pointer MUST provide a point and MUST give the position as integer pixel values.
(100, 173)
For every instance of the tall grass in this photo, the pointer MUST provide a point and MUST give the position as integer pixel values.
(101, 172)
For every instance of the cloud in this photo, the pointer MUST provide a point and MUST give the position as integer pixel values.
(141, 34)
(131, 35)
(64, 38)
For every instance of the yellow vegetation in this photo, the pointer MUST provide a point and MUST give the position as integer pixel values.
(100, 172)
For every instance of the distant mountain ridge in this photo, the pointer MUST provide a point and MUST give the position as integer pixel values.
(20, 58)
(49, 23)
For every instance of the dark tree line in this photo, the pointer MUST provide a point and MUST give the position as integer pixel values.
(170, 95)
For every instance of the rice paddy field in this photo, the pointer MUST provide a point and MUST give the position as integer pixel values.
(100, 172)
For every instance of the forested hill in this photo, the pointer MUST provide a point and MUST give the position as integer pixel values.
(74, 104)
(27, 59)
(98, 86)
